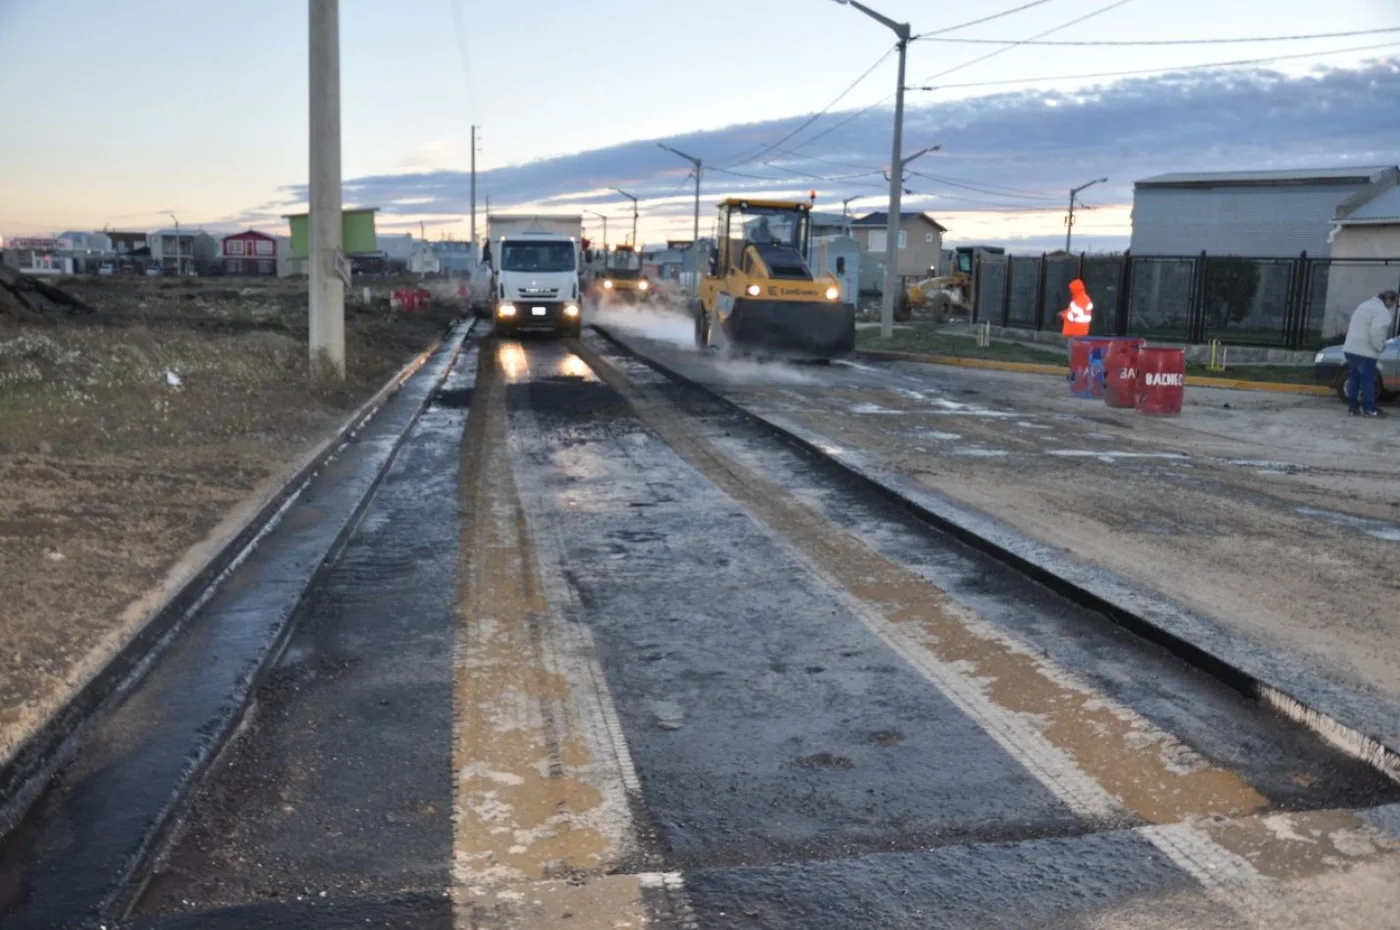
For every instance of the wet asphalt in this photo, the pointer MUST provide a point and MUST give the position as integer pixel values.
(797, 770)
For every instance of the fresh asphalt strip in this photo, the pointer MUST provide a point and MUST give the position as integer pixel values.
(1358, 723)
(169, 707)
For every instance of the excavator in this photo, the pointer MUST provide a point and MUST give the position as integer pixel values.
(759, 295)
(622, 277)
(939, 296)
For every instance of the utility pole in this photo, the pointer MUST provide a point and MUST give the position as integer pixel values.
(474, 246)
(634, 213)
(695, 237)
(179, 259)
(887, 298)
(1069, 220)
(327, 286)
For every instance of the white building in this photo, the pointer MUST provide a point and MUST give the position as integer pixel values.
(423, 258)
(1365, 253)
(182, 251)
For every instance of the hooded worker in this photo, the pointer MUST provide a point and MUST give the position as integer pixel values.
(1080, 312)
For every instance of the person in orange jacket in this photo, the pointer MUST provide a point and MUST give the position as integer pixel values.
(1080, 312)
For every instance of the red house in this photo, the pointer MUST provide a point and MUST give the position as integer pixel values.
(250, 253)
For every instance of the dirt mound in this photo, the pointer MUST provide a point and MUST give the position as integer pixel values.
(31, 299)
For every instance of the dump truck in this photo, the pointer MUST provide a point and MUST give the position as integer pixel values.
(940, 296)
(535, 263)
(759, 296)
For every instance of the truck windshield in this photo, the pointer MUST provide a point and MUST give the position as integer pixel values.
(537, 256)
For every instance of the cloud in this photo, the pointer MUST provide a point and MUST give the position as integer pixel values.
(1007, 154)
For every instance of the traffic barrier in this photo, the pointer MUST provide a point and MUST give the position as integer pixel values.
(1086, 365)
(1161, 384)
(1120, 372)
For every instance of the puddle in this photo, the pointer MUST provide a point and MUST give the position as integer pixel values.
(937, 436)
(981, 453)
(874, 408)
(1377, 528)
(1111, 456)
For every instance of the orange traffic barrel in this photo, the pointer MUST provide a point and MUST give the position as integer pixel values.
(1086, 365)
(1120, 371)
(1161, 381)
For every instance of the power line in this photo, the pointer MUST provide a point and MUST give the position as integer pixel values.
(952, 182)
(763, 150)
(462, 56)
(1144, 42)
(978, 22)
(1040, 35)
(1140, 71)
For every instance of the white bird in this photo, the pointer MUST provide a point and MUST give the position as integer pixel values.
(172, 379)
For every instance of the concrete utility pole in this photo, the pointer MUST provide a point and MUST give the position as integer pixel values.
(887, 298)
(605, 227)
(634, 213)
(179, 260)
(695, 237)
(327, 285)
(473, 190)
(1069, 220)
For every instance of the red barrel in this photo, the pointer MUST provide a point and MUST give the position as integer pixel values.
(1120, 372)
(1086, 365)
(1161, 385)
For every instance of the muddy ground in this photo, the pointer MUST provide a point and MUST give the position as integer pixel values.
(111, 472)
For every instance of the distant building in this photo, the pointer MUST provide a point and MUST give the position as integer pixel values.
(183, 251)
(455, 256)
(1257, 214)
(249, 253)
(38, 255)
(1365, 252)
(423, 258)
(920, 242)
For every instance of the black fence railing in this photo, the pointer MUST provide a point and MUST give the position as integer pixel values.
(1287, 303)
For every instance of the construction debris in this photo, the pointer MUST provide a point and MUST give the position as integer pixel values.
(27, 298)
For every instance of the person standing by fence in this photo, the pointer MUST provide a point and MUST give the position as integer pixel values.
(1079, 314)
(1366, 335)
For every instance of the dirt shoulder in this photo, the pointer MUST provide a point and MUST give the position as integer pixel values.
(132, 434)
(1275, 514)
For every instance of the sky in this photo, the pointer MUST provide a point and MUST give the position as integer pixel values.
(199, 109)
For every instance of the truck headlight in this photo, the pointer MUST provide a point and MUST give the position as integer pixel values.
(571, 310)
(832, 293)
(607, 282)
(642, 285)
(505, 310)
(753, 290)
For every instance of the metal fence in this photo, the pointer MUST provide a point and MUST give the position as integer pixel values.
(1288, 303)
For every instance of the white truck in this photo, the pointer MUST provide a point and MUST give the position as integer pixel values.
(535, 261)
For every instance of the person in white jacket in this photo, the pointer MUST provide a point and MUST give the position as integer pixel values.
(1366, 336)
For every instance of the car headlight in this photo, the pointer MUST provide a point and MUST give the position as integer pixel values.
(752, 290)
(505, 310)
(607, 282)
(571, 310)
(1320, 358)
(642, 285)
(832, 293)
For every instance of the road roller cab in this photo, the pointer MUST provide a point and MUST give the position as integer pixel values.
(760, 296)
(622, 277)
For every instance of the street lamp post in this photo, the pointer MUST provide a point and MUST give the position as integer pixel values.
(605, 227)
(179, 263)
(901, 31)
(1069, 220)
(634, 213)
(695, 237)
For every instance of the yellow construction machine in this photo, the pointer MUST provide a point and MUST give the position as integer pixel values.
(759, 294)
(622, 276)
(939, 296)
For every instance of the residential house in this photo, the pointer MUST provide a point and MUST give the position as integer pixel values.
(920, 243)
(249, 253)
(38, 255)
(455, 256)
(1365, 252)
(423, 258)
(88, 250)
(183, 251)
(1255, 214)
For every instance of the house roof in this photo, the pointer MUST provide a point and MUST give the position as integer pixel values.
(882, 218)
(250, 233)
(184, 231)
(1348, 175)
(1383, 208)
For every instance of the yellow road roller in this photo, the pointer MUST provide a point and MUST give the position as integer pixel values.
(759, 295)
(622, 277)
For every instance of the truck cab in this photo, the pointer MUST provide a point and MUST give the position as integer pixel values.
(535, 284)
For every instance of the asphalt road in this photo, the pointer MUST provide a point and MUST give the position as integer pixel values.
(603, 653)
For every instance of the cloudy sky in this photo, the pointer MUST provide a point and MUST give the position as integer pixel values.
(200, 109)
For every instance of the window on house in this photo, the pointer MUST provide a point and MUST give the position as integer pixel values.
(235, 266)
(879, 241)
(903, 238)
(264, 247)
(235, 246)
(928, 237)
(264, 266)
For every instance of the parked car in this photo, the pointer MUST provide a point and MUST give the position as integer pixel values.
(1330, 368)
(107, 268)
(154, 271)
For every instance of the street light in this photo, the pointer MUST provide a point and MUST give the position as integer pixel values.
(695, 238)
(1074, 192)
(605, 227)
(179, 265)
(901, 31)
(634, 212)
